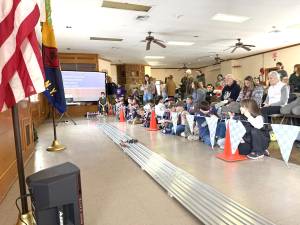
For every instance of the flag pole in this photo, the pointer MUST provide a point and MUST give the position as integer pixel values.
(56, 146)
(26, 216)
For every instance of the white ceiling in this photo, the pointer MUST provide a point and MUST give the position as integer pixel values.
(174, 20)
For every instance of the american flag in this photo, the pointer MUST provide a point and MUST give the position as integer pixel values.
(21, 67)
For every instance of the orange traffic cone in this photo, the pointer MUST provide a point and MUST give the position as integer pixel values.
(110, 110)
(121, 115)
(153, 124)
(227, 153)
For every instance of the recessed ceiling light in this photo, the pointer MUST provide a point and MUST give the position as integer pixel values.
(183, 43)
(154, 57)
(230, 18)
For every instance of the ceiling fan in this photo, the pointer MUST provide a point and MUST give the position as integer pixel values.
(149, 39)
(217, 59)
(184, 67)
(215, 56)
(239, 44)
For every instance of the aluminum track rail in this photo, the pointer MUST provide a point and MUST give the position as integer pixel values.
(207, 204)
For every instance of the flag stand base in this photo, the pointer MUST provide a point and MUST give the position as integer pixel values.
(56, 147)
(26, 219)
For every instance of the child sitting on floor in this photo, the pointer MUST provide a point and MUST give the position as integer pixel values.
(119, 105)
(203, 110)
(160, 108)
(147, 113)
(132, 112)
(102, 104)
(166, 124)
(181, 121)
(256, 140)
(189, 105)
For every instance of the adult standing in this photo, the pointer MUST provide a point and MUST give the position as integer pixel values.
(219, 85)
(147, 87)
(220, 81)
(200, 77)
(277, 96)
(171, 87)
(280, 70)
(153, 87)
(294, 80)
(164, 89)
(183, 86)
(111, 88)
(198, 94)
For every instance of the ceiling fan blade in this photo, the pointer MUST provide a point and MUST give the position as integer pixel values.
(246, 48)
(159, 43)
(143, 40)
(228, 48)
(252, 46)
(148, 45)
(233, 50)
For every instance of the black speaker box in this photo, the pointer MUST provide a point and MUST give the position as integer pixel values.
(56, 195)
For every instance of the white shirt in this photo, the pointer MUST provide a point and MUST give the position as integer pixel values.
(257, 122)
(160, 108)
(274, 93)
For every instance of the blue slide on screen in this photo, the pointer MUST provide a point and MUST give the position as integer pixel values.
(83, 86)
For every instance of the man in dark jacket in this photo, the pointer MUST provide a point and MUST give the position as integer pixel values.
(294, 80)
(280, 70)
(231, 90)
(110, 90)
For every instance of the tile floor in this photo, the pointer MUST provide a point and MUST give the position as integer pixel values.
(116, 191)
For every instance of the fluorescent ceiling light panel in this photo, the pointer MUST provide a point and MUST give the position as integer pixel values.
(105, 39)
(125, 6)
(230, 18)
(183, 43)
(156, 64)
(154, 57)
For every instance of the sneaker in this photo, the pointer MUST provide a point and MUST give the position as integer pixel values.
(221, 143)
(267, 153)
(255, 155)
(182, 134)
(195, 138)
(190, 138)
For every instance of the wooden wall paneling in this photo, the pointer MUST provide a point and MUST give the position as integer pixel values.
(7, 153)
(83, 62)
(8, 168)
(81, 110)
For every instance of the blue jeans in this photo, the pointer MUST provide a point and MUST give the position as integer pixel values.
(221, 129)
(204, 135)
(179, 129)
(147, 97)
